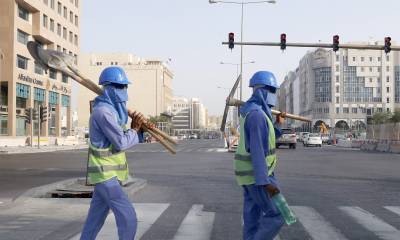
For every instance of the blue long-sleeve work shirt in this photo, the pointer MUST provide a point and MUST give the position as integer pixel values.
(257, 144)
(104, 130)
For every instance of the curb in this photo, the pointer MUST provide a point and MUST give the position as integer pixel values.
(132, 186)
(30, 151)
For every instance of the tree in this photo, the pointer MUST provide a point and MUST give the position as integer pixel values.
(396, 120)
(380, 118)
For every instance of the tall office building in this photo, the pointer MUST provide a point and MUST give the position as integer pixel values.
(54, 24)
(342, 89)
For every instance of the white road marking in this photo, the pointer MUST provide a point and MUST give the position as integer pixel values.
(372, 223)
(394, 209)
(197, 225)
(316, 225)
(147, 214)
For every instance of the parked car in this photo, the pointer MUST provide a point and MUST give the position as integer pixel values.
(303, 135)
(325, 138)
(288, 138)
(313, 139)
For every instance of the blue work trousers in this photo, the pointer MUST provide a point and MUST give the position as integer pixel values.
(262, 219)
(109, 195)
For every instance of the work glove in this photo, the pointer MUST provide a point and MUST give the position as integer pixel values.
(271, 190)
(137, 121)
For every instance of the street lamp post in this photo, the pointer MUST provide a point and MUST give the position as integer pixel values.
(242, 3)
(237, 69)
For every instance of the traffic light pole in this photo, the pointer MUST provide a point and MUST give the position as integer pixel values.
(241, 56)
(39, 123)
(320, 45)
(31, 121)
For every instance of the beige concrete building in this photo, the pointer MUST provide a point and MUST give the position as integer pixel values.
(150, 92)
(23, 83)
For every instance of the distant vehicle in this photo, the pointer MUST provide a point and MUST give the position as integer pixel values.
(288, 138)
(303, 136)
(313, 139)
(193, 136)
(325, 138)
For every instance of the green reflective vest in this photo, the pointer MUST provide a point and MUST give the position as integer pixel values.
(105, 164)
(243, 165)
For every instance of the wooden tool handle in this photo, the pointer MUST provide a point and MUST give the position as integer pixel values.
(161, 140)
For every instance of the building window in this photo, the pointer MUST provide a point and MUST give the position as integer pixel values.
(46, 2)
(71, 36)
(362, 59)
(23, 13)
(51, 25)
(76, 59)
(45, 20)
(337, 89)
(71, 17)
(387, 100)
(64, 78)
(387, 58)
(354, 110)
(354, 59)
(337, 110)
(76, 40)
(22, 62)
(379, 79)
(345, 110)
(22, 37)
(65, 33)
(370, 69)
(337, 99)
(58, 48)
(379, 69)
(38, 69)
(387, 68)
(52, 73)
(337, 69)
(337, 79)
(370, 59)
(387, 79)
(387, 109)
(59, 8)
(76, 20)
(52, 4)
(387, 89)
(362, 69)
(379, 110)
(370, 80)
(337, 58)
(65, 101)
(322, 89)
(65, 12)
(59, 29)
(379, 59)
(378, 90)
(53, 98)
(64, 50)
(76, 3)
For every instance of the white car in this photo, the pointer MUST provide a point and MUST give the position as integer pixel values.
(303, 136)
(313, 139)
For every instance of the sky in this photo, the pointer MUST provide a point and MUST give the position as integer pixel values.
(190, 33)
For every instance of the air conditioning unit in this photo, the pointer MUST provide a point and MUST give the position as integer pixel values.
(3, 109)
(20, 111)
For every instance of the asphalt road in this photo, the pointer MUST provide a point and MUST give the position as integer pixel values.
(336, 193)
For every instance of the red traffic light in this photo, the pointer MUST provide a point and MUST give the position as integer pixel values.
(336, 39)
(387, 47)
(231, 40)
(283, 37)
(231, 36)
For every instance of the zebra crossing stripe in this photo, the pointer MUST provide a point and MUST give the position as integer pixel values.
(393, 209)
(147, 214)
(372, 223)
(197, 225)
(316, 225)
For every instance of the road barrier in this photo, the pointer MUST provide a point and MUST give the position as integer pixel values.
(381, 146)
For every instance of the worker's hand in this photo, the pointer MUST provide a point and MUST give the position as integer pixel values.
(280, 118)
(271, 190)
(137, 120)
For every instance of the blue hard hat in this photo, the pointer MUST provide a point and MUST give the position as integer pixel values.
(264, 78)
(113, 75)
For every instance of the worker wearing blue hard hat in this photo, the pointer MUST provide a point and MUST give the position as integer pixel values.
(255, 159)
(107, 164)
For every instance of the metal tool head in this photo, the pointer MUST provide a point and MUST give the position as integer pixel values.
(51, 58)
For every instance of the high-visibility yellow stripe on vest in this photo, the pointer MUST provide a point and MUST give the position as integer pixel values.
(105, 164)
(243, 165)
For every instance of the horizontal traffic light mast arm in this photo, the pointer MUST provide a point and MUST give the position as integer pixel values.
(320, 45)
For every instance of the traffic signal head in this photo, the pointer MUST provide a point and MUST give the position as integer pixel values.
(231, 40)
(335, 43)
(43, 114)
(388, 44)
(35, 114)
(28, 115)
(283, 41)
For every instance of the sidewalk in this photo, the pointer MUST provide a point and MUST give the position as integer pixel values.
(34, 149)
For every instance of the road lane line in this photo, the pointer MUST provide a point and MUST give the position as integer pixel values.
(393, 209)
(316, 225)
(147, 214)
(372, 223)
(197, 225)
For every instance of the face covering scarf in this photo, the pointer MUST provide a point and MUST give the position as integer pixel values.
(116, 98)
(259, 99)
